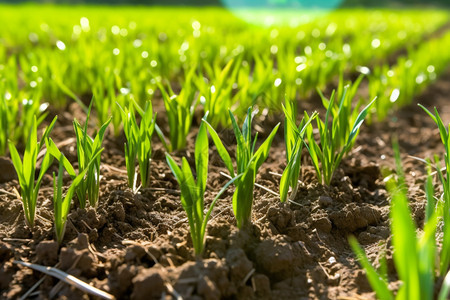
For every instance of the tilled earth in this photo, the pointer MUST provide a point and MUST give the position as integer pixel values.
(138, 245)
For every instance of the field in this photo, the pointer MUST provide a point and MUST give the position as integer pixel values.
(210, 154)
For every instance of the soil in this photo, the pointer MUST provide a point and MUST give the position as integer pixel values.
(137, 246)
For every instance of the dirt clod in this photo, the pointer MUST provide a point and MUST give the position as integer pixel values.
(8, 172)
(261, 285)
(239, 264)
(275, 256)
(135, 244)
(325, 201)
(6, 252)
(47, 253)
(148, 284)
(353, 217)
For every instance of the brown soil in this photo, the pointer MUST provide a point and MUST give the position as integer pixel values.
(138, 245)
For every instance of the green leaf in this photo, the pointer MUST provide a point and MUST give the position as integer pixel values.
(17, 162)
(263, 151)
(213, 203)
(285, 180)
(376, 282)
(445, 288)
(291, 173)
(201, 157)
(55, 152)
(404, 242)
(242, 152)
(162, 138)
(359, 120)
(243, 196)
(221, 149)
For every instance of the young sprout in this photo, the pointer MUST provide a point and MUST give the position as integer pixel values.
(4, 126)
(139, 141)
(336, 137)
(102, 101)
(16, 116)
(87, 167)
(180, 112)
(26, 169)
(444, 178)
(248, 162)
(192, 191)
(414, 256)
(216, 96)
(61, 205)
(345, 111)
(87, 148)
(293, 137)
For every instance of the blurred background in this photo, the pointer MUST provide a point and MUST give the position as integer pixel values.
(252, 3)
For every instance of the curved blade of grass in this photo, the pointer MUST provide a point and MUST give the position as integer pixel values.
(201, 158)
(185, 179)
(376, 282)
(358, 122)
(223, 153)
(213, 203)
(263, 151)
(71, 94)
(243, 196)
(242, 151)
(404, 242)
(162, 138)
(289, 171)
(445, 288)
(55, 152)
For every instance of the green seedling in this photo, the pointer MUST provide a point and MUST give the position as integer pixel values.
(345, 111)
(26, 169)
(293, 137)
(414, 256)
(139, 141)
(444, 178)
(87, 148)
(328, 153)
(192, 191)
(248, 162)
(216, 96)
(61, 205)
(180, 112)
(16, 116)
(4, 125)
(81, 192)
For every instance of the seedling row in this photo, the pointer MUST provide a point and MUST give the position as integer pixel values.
(225, 75)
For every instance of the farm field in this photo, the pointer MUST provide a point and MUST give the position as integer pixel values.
(186, 153)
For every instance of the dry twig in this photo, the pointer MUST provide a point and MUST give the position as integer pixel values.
(67, 278)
